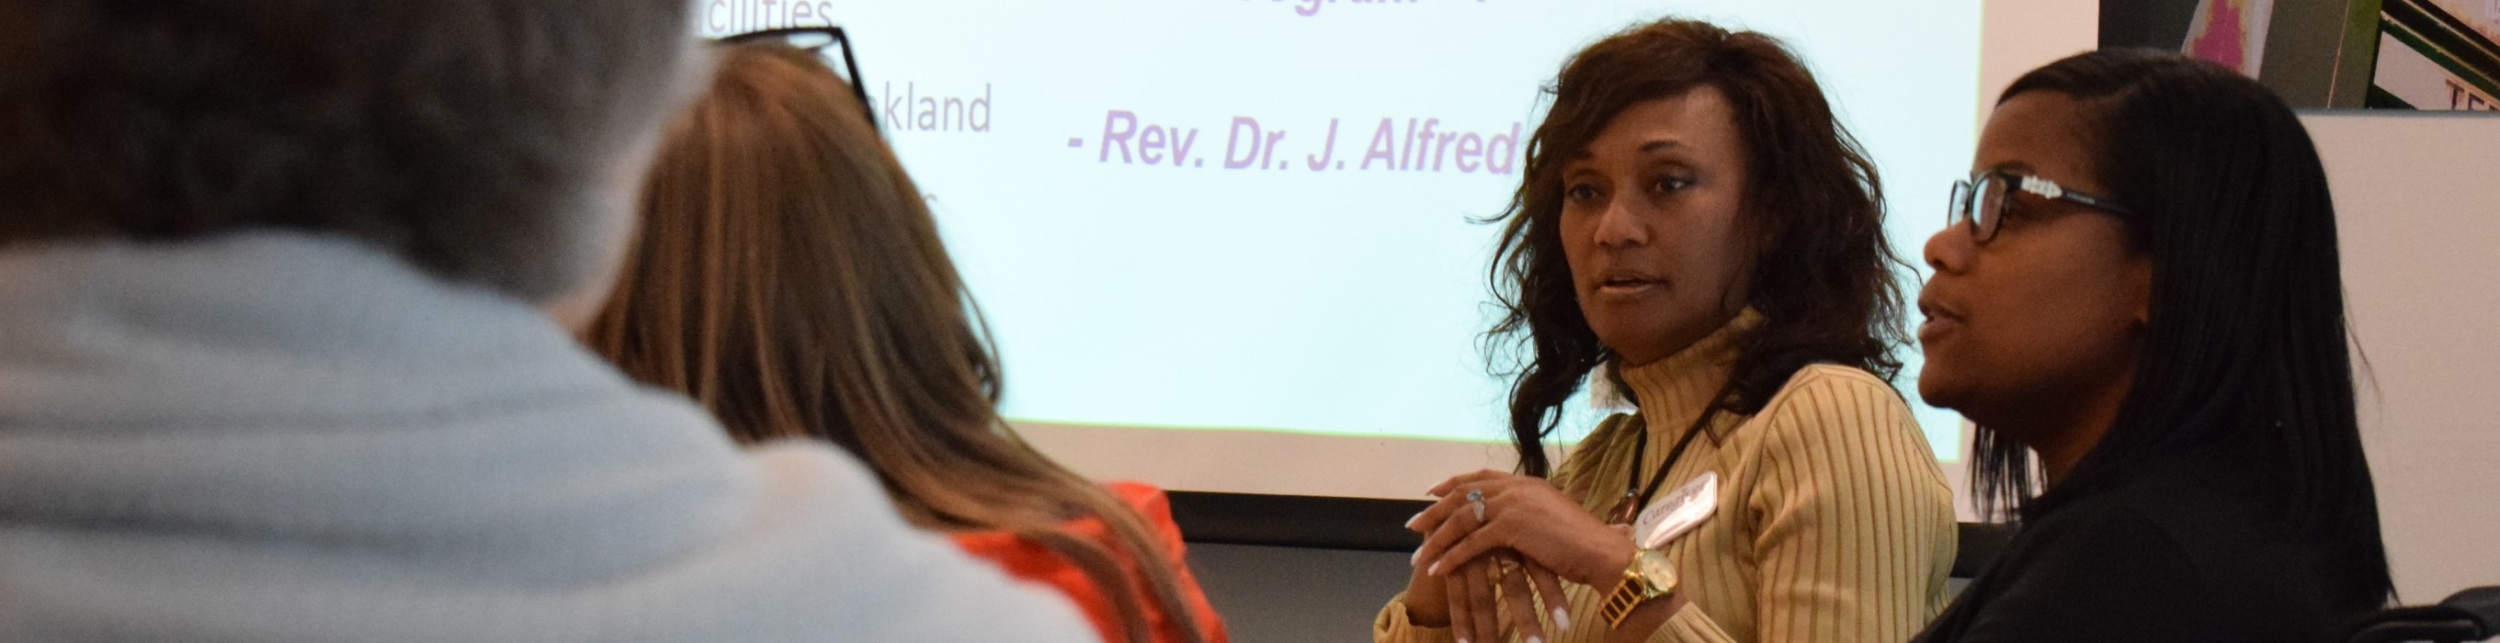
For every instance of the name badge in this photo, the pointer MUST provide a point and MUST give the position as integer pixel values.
(1679, 512)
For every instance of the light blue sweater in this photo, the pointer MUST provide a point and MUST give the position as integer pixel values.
(278, 437)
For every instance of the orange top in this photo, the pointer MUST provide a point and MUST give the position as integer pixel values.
(1031, 561)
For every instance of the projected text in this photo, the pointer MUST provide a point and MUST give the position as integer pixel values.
(1412, 144)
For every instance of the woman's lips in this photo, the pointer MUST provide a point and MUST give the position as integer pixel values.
(1629, 287)
(1940, 322)
(1936, 327)
(1628, 283)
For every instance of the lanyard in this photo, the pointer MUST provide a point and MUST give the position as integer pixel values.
(1636, 495)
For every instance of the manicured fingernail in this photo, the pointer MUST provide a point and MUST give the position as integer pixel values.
(1416, 558)
(1435, 570)
(1562, 619)
(1410, 522)
(1462, 639)
(1534, 639)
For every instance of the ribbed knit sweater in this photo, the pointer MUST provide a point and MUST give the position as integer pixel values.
(1833, 524)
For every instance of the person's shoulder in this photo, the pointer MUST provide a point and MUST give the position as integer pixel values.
(810, 486)
(1829, 423)
(2202, 509)
(816, 469)
(1154, 508)
(1150, 501)
(2098, 571)
(812, 521)
(2134, 533)
(2111, 546)
(1825, 384)
(1027, 557)
(2220, 524)
(1832, 405)
(2102, 521)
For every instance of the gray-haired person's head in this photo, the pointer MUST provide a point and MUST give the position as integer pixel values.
(481, 140)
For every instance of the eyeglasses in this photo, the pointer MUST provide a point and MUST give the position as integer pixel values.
(1981, 201)
(828, 43)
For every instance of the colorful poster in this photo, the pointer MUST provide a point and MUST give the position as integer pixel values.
(2231, 33)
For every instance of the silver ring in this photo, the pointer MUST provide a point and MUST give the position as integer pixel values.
(1475, 500)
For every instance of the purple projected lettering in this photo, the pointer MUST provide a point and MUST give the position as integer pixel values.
(1121, 131)
(910, 107)
(728, 17)
(1417, 144)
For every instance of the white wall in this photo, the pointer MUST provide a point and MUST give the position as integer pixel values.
(2417, 200)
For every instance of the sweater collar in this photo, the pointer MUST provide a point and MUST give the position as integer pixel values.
(1673, 392)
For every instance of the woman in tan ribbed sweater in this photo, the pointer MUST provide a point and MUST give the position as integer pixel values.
(1695, 226)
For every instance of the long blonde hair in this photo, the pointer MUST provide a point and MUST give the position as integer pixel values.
(789, 277)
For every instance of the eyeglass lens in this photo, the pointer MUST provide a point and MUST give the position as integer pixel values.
(1980, 202)
(1990, 204)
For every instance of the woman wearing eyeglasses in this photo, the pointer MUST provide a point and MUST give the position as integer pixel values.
(1695, 227)
(2140, 289)
(790, 278)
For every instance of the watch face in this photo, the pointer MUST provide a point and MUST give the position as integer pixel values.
(1654, 567)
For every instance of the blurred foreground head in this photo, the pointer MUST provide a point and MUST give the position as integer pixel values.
(488, 142)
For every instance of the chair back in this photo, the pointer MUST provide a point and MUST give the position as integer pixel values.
(1976, 544)
(2470, 615)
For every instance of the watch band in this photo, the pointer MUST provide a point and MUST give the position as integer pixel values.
(1627, 595)
(1635, 589)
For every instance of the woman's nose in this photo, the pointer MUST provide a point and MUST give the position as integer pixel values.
(1619, 227)
(1949, 250)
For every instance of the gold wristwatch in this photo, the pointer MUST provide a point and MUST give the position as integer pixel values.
(1649, 577)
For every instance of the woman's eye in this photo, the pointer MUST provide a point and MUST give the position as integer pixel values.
(1580, 193)
(1671, 184)
(2013, 214)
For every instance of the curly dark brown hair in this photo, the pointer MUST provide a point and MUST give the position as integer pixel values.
(1824, 276)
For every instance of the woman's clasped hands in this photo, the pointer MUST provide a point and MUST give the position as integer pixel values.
(1491, 529)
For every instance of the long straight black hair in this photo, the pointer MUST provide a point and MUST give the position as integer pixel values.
(2246, 349)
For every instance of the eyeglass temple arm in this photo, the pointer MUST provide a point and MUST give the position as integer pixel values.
(850, 63)
(842, 40)
(2097, 202)
(2050, 190)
